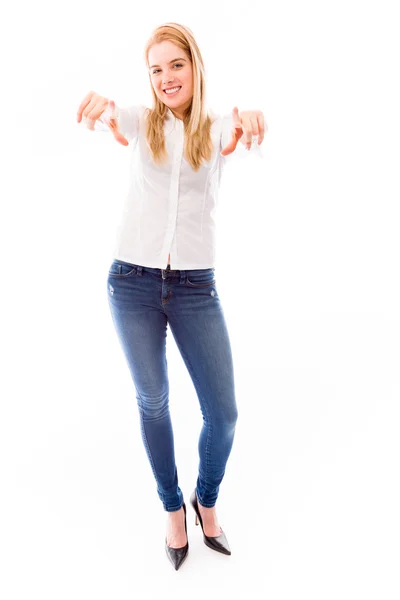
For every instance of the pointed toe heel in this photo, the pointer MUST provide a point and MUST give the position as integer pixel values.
(178, 555)
(218, 543)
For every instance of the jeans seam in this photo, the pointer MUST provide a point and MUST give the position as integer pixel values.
(198, 285)
(122, 275)
(147, 443)
(207, 414)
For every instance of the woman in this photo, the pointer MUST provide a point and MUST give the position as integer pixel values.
(163, 271)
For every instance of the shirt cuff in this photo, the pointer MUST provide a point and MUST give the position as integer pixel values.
(100, 124)
(241, 152)
(255, 149)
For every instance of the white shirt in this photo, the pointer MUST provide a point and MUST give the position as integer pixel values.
(170, 209)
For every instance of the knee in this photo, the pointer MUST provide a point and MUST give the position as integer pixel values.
(231, 416)
(153, 407)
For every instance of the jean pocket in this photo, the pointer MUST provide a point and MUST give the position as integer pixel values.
(121, 269)
(203, 278)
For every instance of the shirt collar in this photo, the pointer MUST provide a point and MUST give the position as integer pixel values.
(171, 115)
(173, 122)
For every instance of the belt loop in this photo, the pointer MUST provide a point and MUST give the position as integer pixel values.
(183, 277)
(139, 270)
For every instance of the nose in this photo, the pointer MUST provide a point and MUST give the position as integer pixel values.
(168, 76)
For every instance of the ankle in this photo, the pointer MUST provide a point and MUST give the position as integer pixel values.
(175, 515)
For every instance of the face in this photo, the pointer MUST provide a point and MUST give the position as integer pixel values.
(167, 72)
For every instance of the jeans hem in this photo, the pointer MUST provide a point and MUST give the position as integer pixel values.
(172, 509)
(206, 505)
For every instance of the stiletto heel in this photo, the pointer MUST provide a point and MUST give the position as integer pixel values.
(218, 543)
(178, 555)
(196, 519)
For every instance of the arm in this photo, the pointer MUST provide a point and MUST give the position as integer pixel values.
(248, 127)
(127, 119)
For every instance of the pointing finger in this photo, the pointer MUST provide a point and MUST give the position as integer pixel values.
(261, 127)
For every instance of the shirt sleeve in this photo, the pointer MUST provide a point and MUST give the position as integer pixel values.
(128, 120)
(240, 151)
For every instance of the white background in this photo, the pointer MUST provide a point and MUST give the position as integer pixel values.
(308, 275)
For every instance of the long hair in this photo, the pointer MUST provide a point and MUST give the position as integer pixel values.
(197, 122)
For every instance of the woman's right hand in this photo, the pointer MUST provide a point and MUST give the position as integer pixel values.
(93, 107)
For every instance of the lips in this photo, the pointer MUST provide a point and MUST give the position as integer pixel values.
(172, 88)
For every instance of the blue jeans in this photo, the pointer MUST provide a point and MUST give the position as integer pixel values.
(143, 301)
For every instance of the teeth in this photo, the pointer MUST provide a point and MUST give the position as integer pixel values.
(172, 90)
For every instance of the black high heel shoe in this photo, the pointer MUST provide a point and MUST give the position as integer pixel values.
(218, 543)
(178, 555)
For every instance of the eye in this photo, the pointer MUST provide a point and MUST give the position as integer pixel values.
(175, 65)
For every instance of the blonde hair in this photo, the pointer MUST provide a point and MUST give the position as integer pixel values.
(197, 122)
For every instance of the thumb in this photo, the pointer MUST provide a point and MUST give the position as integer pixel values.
(235, 117)
(236, 134)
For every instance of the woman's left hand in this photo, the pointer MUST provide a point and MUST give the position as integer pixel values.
(246, 125)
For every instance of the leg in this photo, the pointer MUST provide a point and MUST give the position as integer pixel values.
(142, 328)
(198, 325)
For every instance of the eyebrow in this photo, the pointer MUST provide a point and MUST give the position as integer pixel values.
(171, 61)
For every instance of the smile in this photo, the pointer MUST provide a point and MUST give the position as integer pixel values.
(172, 91)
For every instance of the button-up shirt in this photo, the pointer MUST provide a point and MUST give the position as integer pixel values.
(170, 209)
